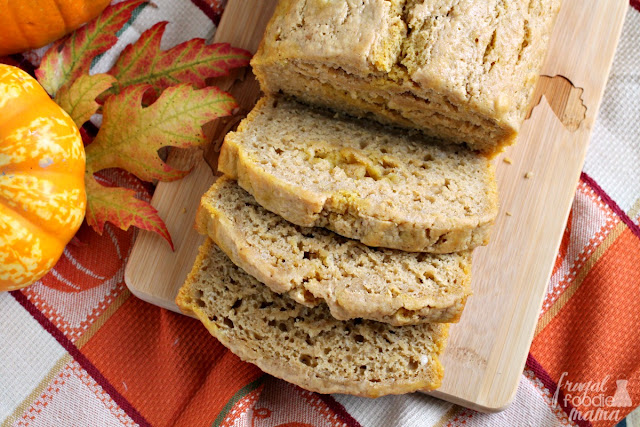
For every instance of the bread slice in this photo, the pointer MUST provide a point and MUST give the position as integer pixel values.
(362, 180)
(314, 265)
(461, 70)
(307, 346)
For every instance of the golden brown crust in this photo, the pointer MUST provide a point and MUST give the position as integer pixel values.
(464, 70)
(314, 265)
(306, 346)
(378, 212)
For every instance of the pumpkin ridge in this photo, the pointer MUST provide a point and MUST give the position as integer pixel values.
(42, 192)
(8, 118)
(58, 9)
(43, 172)
(23, 26)
(45, 242)
(14, 17)
(67, 195)
(31, 225)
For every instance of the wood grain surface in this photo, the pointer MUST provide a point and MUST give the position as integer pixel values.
(154, 273)
(537, 179)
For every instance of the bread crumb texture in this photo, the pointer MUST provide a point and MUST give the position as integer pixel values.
(463, 70)
(365, 181)
(306, 345)
(314, 265)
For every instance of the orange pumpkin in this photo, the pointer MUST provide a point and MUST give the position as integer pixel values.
(42, 163)
(29, 24)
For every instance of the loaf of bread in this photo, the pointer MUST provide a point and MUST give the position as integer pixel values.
(365, 181)
(307, 346)
(314, 265)
(461, 70)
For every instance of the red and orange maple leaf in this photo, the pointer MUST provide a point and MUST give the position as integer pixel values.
(175, 119)
(120, 206)
(131, 133)
(71, 56)
(190, 62)
(79, 99)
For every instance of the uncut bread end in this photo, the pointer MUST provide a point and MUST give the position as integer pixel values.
(306, 345)
(463, 71)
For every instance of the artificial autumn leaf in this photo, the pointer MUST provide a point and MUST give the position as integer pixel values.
(120, 207)
(71, 56)
(190, 62)
(79, 100)
(130, 135)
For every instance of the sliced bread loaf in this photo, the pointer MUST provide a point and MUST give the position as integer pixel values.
(307, 346)
(362, 180)
(315, 265)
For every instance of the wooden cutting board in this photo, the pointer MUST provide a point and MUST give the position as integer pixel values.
(537, 180)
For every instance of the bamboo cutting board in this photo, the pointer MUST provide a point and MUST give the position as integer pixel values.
(487, 350)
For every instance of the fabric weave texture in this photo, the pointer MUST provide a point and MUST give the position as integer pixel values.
(77, 348)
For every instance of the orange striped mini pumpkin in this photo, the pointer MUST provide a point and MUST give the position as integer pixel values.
(42, 164)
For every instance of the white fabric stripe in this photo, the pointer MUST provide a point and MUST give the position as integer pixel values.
(614, 153)
(529, 408)
(114, 240)
(28, 353)
(633, 419)
(73, 310)
(409, 410)
(76, 404)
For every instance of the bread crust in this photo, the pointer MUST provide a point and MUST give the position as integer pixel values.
(315, 266)
(424, 344)
(339, 205)
(464, 71)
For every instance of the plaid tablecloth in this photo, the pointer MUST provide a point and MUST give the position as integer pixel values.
(77, 349)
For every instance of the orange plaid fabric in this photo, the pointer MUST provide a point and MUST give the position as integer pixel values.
(78, 349)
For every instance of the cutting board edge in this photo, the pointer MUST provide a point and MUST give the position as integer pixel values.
(475, 405)
(483, 404)
(151, 299)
